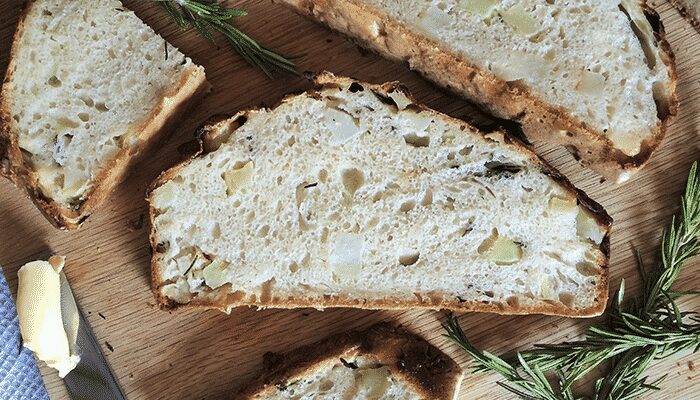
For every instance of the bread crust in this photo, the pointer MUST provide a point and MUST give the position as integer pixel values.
(427, 370)
(192, 86)
(224, 298)
(540, 120)
(692, 19)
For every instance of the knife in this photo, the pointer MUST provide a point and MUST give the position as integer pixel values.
(92, 379)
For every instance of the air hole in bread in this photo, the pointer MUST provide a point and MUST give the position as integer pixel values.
(67, 122)
(101, 107)
(352, 179)
(88, 101)
(415, 140)
(250, 216)
(263, 231)
(293, 267)
(427, 198)
(567, 299)
(466, 150)
(356, 87)
(586, 268)
(54, 81)
(407, 205)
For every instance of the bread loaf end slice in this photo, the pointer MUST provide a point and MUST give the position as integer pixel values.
(382, 362)
(87, 90)
(353, 195)
(596, 77)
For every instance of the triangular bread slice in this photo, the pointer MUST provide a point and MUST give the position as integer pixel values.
(596, 76)
(382, 362)
(87, 88)
(354, 196)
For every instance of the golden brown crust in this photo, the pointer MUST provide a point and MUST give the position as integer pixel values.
(540, 120)
(431, 373)
(173, 104)
(692, 19)
(225, 298)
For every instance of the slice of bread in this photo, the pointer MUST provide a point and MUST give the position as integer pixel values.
(690, 10)
(594, 76)
(382, 362)
(354, 196)
(86, 90)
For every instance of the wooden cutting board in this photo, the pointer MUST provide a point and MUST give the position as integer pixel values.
(207, 354)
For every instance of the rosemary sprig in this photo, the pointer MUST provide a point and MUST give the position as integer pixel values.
(206, 16)
(652, 327)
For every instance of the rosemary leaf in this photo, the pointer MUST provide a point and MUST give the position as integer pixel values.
(206, 16)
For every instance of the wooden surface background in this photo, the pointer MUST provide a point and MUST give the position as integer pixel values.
(206, 354)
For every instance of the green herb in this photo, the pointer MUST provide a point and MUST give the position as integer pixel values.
(194, 260)
(650, 328)
(206, 16)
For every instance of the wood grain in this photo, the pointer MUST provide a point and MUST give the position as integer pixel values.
(198, 355)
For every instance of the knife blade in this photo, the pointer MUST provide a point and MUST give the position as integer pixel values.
(92, 379)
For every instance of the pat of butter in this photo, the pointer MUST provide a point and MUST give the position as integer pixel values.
(48, 315)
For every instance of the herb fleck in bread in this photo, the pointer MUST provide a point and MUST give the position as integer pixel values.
(382, 362)
(355, 196)
(595, 76)
(86, 90)
(690, 9)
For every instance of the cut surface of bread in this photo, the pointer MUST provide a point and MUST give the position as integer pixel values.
(87, 88)
(594, 76)
(353, 195)
(381, 363)
(690, 9)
